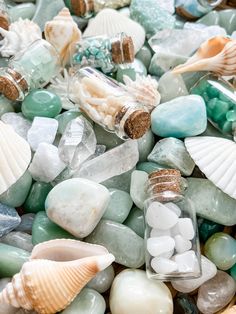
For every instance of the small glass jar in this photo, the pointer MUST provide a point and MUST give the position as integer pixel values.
(86, 8)
(109, 104)
(171, 234)
(33, 68)
(4, 15)
(103, 52)
(193, 9)
(220, 99)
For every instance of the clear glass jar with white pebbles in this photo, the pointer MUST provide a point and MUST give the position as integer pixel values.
(171, 235)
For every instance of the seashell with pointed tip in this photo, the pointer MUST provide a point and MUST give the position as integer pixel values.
(144, 89)
(231, 310)
(15, 156)
(216, 158)
(217, 55)
(110, 22)
(56, 273)
(20, 35)
(62, 32)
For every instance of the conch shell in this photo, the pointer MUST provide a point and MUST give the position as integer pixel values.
(62, 32)
(55, 274)
(217, 55)
(20, 35)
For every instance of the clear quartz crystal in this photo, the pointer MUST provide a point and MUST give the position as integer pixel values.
(18, 122)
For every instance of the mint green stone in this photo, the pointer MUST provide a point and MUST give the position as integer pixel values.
(233, 272)
(145, 145)
(41, 103)
(12, 259)
(5, 105)
(131, 70)
(64, 118)
(135, 221)
(110, 140)
(144, 55)
(35, 201)
(220, 248)
(228, 20)
(121, 182)
(17, 193)
(121, 241)
(119, 206)
(138, 191)
(44, 229)
(103, 280)
(211, 18)
(149, 166)
(24, 10)
(220, 110)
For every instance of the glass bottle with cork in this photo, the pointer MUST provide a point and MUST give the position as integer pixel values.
(4, 15)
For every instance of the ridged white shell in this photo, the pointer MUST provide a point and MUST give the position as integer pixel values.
(62, 32)
(15, 156)
(216, 158)
(110, 22)
(49, 284)
(20, 35)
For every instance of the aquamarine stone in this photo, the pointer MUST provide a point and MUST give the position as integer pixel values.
(145, 145)
(138, 186)
(180, 117)
(103, 280)
(9, 219)
(171, 152)
(149, 166)
(228, 20)
(144, 55)
(131, 70)
(119, 206)
(121, 241)
(121, 182)
(24, 10)
(5, 105)
(135, 221)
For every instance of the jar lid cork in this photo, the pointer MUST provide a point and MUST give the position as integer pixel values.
(4, 20)
(165, 180)
(123, 50)
(82, 7)
(137, 124)
(8, 87)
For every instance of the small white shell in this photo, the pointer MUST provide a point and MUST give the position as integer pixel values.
(216, 158)
(110, 22)
(15, 156)
(20, 35)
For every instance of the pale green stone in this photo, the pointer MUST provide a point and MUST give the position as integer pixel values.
(18, 239)
(17, 193)
(119, 206)
(145, 145)
(24, 10)
(144, 55)
(110, 140)
(171, 152)
(103, 280)
(5, 105)
(121, 182)
(228, 20)
(121, 241)
(64, 118)
(210, 202)
(149, 166)
(138, 188)
(88, 301)
(135, 221)
(131, 70)
(211, 18)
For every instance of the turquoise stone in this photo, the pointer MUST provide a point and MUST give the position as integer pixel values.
(208, 201)
(233, 272)
(119, 206)
(120, 241)
(149, 166)
(131, 70)
(220, 248)
(172, 153)
(44, 229)
(228, 20)
(35, 201)
(103, 280)
(207, 228)
(41, 103)
(135, 221)
(180, 117)
(88, 301)
(64, 118)
(145, 145)
(110, 140)
(121, 182)
(11, 260)
(185, 304)
(17, 193)
(5, 105)
(144, 55)
(24, 10)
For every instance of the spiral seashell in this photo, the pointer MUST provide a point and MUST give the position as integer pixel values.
(56, 273)
(61, 32)
(20, 35)
(217, 55)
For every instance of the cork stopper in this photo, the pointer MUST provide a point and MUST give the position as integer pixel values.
(165, 180)
(82, 7)
(123, 50)
(8, 87)
(4, 20)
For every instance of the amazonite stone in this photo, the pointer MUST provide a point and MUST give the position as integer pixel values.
(120, 241)
(121, 182)
(208, 201)
(11, 260)
(88, 301)
(138, 188)
(24, 10)
(171, 152)
(131, 70)
(149, 166)
(211, 18)
(110, 140)
(119, 206)
(145, 145)
(64, 118)
(220, 248)
(17, 193)
(135, 221)
(44, 229)
(5, 105)
(144, 55)
(18, 239)
(228, 20)
(180, 117)
(35, 201)
(103, 280)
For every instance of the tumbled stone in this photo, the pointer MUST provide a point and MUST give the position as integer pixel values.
(138, 191)
(161, 217)
(185, 304)
(145, 145)
(144, 55)
(135, 221)
(18, 239)
(24, 11)
(65, 117)
(187, 262)
(103, 280)
(120, 240)
(233, 272)
(35, 201)
(207, 228)
(131, 70)
(120, 182)
(110, 140)
(163, 265)
(9, 219)
(5, 105)
(26, 223)
(149, 166)
(159, 246)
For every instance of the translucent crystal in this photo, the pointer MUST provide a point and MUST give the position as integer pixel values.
(18, 122)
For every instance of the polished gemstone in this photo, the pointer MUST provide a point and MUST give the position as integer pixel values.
(9, 219)
(35, 201)
(103, 280)
(138, 192)
(18, 239)
(135, 221)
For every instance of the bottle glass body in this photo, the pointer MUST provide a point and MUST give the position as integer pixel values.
(4, 15)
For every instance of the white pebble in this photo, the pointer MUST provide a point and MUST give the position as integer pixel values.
(159, 233)
(186, 229)
(160, 245)
(174, 208)
(163, 265)
(181, 244)
(187, 262)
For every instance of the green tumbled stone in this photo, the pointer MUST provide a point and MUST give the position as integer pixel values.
(149, 166)
(24, 11)
(121, 182)
(231, 115)
(225, 126)
(145, 145)
(212, 92)
(44, 229)
(207, 228)
(119, 206)
(35, 201)
(144, 55)
(64, 118)
(12, 259)
(41, 103)
(184, 304)
(211, 18)
(17, 193)
(220, 248)
(228, 20)
(131, 70)
(220, 110)
(135, 221)
(110, 140)
(138, 191)
(233, 272)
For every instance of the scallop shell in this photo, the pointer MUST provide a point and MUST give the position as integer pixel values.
(110, 22)
(55, 274)
(144, 90)
(15, 156)
(217, 55)
(62, 32)
(20, 35)
(216, 158)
